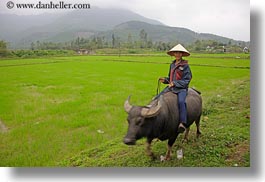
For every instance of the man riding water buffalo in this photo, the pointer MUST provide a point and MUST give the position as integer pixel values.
(178, 80)
(171, 112)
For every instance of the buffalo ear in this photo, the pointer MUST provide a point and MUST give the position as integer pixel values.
(127, 105)
(149, 112)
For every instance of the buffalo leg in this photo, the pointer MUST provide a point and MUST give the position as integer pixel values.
(186, 135)
(169, 152)
(148, 148)
(169, 147)
(197, 122)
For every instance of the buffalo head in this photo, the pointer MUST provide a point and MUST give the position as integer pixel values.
(140, 120)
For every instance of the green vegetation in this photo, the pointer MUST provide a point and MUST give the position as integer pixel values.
(138, 43)
(3, 48)
(142, 42)
(35, 53)
(68, 111)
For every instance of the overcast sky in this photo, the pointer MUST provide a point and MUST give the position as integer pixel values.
(228, 18)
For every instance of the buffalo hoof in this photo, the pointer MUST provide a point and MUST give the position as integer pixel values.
(164, 158)
(198, 135)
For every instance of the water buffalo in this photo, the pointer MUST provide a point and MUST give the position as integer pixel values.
(160, 119)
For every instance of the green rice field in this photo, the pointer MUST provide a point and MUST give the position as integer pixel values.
(68, 111)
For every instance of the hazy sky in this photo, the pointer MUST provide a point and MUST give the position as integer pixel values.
(229, 18)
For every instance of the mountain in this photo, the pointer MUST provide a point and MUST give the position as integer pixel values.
(97, 19)
(21, 30)
(161, 33)
(12, 25)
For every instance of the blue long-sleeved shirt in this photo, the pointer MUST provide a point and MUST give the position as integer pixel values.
(180, 74)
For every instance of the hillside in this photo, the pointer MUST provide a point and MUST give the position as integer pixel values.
(161, 33)
(21, 31)
(13, 25)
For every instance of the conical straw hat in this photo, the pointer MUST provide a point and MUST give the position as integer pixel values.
(179, 48)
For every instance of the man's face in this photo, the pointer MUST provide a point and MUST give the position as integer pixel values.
(178, 55)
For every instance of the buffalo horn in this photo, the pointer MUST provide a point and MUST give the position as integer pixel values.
(127, 105)
(152, 111)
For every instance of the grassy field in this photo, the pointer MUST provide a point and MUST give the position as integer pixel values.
(68, 111)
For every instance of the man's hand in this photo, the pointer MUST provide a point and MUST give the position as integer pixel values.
(171, 84)
(162, 79)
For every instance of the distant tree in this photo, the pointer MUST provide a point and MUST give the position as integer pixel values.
(82, 40)
(3, 48)
(149, 44)
(77, 42)
(32, 46)
(113, 40)
(129, 41)
(38, 44)
(230, 42)
(99, 43)
(143, 38)
(198, 45)
(162, 46)
(215, 43)
(93, 43)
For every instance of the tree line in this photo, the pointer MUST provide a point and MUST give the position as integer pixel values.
(101, 42)
(143, 42)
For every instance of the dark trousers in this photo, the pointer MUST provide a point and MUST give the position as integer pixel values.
(181, 104)
(182, 107)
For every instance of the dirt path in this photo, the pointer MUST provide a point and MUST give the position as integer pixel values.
(3, 128)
